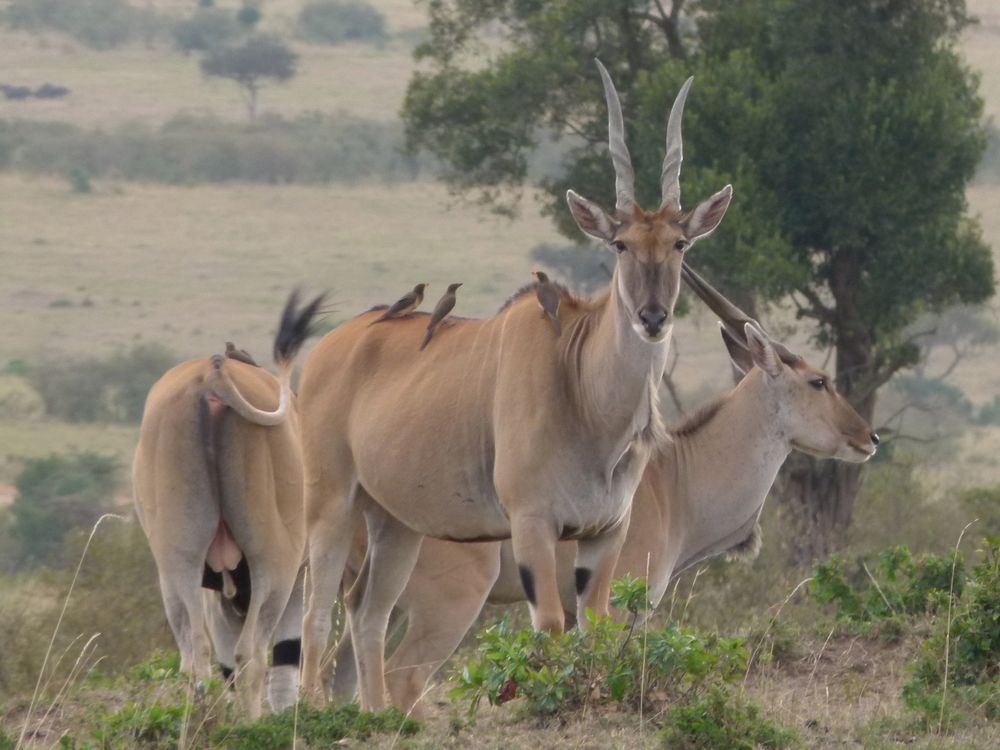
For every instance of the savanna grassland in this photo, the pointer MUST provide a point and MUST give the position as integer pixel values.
(94, 267)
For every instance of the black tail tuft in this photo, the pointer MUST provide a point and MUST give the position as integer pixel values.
(296, 326)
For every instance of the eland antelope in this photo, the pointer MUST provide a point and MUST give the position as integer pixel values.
(218, 491)
(700, 496)
(505, 432)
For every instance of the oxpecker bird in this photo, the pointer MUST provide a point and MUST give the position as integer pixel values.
(404, 305)
(441, 312)
(548, 299)
(241, 355)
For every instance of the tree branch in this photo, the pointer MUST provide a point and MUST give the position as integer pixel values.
(818, 309)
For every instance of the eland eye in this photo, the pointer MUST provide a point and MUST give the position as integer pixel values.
(619, 246)
(681, 245)
(818, 383)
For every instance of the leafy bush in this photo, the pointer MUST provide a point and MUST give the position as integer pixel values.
(989, 413)
(57, 494)
(967, 645)
(316, 727)
(722, 721)
(312, 148)
(608, 662)
(339, 21)
(159, 666)
(900, 585)
(983, 503)
(205, 29)
(100, 24)
(94, 390)
(138, 724)
(18, 400)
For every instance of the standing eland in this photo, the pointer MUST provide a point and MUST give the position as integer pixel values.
(502, 431)
(700, 496)
(218, 491)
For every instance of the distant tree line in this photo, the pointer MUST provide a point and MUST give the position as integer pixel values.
(311, 148)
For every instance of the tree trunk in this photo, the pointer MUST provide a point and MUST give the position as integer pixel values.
(820, 493)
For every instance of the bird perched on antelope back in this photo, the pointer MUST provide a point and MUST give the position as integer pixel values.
(441, 312)
(548, 299)
(404, 305)
(241, 355)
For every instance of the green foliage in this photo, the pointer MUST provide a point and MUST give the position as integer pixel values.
(100, 24)
(312, 148)
(79, 180)
(7, 742)
(630, 594)
(159, 666)
(316, 727)
(900, 585)
(249, 14)
(605, 663)
(56, 494)
(721, 720)
(207, 28)
(109, 390)
(983, 503)
(142, 725)
(966, 643)
(989, 413)
(339, 21)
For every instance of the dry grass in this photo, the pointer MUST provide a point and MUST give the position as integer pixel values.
(20, 440)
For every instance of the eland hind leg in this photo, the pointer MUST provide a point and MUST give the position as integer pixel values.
(283, 677)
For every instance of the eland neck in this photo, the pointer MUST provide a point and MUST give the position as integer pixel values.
(717, 475)
(618, 373)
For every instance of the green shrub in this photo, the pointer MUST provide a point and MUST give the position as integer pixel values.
(57, 494)
(316, 727)
(141, 725)
(18, 400)
(722, 720)
(983, 503)
(608, 662)
(968, 642)
(100, 24)
(109, 390)
(339, 21)
(206, 29)
(79, 180)
(159, 666)
(899, 585)
(7, 742)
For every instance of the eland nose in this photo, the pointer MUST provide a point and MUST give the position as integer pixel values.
(874, 438)
(653, 317)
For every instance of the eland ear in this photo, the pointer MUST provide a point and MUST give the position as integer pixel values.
(591, 218)
(707, 216)
(739, 355)
(762, 351)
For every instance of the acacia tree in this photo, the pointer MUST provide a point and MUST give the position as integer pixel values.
(250, 63)
(849, 132)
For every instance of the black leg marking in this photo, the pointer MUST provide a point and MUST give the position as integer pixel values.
(582, 579)
(227, 673)
(241, 577)
(528, 581)
(286, 653)
(210, 579)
